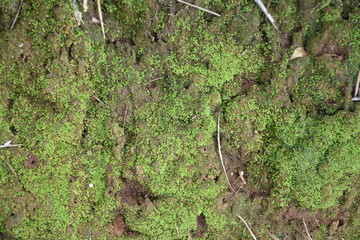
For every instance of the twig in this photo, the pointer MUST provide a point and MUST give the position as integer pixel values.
(220, 154)
(307, 231)
(247, 226)
(101, 18)
(124, 119)
(200, 8)
(266, 12)
(17, 15)
(8, 144)
(271, 235)
(12, 170)
(153, 80)
(357, 86)
(85, 5)
(97, 99)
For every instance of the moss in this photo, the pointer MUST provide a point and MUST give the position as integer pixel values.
(142, 106)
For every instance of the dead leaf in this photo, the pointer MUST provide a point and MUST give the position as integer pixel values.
(298, 53)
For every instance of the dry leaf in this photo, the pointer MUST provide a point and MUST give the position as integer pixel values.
(298, 53)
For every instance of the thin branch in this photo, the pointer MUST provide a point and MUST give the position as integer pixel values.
(101, 18)
(247, 226)
(152, 80)
(97, 99)
(8, 144)
(12, 170)
(357, 86)
(307, 231)
(220, 154)
(266, 12)
(85, 5)
(200, 8)
(17, 15)
(124, 119)
(271, 235)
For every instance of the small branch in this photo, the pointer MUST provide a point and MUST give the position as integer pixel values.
(220, 154)
(17, 15)
(271, 235)
(200, 8)
(124, 119)
(12, 170)
(247, 226)
(8, 144)
(266, 12)
(85, 5)
(97, 99)
(152, 80)
(307, 231)
(357, 86)
(101, 18)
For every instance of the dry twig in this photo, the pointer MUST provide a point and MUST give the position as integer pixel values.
(8, 144)
(101, 18)
(266, 12)
(357, 86)
(85, 5)
(272, 236)
(12, 170)
(17, 15)
(152, 80)
(124, 119)
(247, 226)
(220, 154)
(307, 231)
(200, 8)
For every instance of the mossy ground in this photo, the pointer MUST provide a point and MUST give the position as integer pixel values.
(135, 115)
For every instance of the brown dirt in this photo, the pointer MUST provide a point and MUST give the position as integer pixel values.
(246, 85)
(32, 161)
(119, 226)
(134, 193)
(201, 226)
(331, 49)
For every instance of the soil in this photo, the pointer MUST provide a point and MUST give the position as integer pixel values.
(32, 162)
(134, 193)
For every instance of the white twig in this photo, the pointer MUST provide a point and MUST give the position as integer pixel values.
(247, 226)
(77, 14)
(101, 18)
(220, 154)
(357, 85)
(266, 12)
(17, 15)
(85, 5)
(200, 8)
(8, 144)
(307, 231)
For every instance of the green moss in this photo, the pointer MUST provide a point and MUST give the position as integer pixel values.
(144, 107)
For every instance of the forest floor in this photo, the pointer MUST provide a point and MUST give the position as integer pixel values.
(120, 135)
